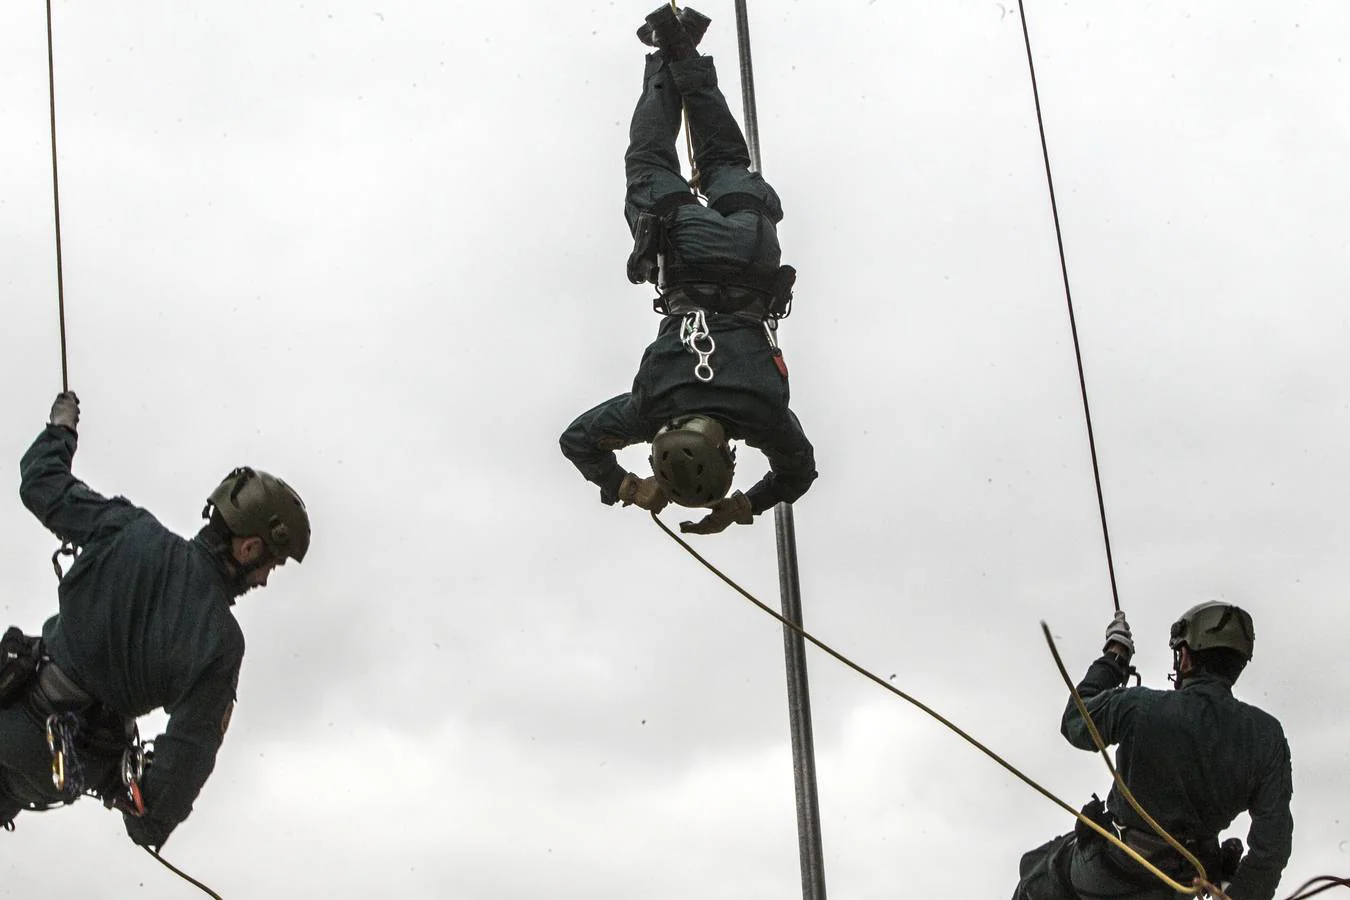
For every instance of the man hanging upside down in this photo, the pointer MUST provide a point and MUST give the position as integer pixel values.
(714, 373)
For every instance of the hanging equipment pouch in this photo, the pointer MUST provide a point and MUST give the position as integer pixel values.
(1095, 810)
(19, 659)
(649, 237)
(783, 282)
(642, 265)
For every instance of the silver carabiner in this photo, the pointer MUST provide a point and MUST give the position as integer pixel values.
(693, 329)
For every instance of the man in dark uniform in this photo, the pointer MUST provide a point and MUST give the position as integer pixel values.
(1194, 758)
(714, 373)
(144, 623)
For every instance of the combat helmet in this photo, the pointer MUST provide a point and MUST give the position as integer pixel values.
(692, 460)
(1213, 625)
(253, 503)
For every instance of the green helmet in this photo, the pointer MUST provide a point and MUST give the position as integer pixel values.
(692, 461)
(255, 504)
(1212, 625)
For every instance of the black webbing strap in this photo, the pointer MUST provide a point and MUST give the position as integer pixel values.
(734, 203)
(671, 202)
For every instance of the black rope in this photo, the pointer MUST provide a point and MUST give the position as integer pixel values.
(1068, 296)
(1314, 886)
(181, 874)
(56, 203)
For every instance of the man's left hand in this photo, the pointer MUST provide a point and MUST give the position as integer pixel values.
(66, 411)
(735, 508)
(1118, 638)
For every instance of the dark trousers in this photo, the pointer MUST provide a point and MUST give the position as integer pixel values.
(1064, 869)
(652, 166)
(25, 762)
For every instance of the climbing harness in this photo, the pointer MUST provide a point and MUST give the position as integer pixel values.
(1068, 297)
(696, 338)
(802, 633)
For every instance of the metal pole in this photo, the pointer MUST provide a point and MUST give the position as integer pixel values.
(809, 844)
(810, 847)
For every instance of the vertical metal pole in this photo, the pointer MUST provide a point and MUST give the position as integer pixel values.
(810, 847)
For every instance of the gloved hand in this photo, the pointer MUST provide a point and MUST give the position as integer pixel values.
(66, 411)
(1118, 637)
(147, 832)
(735, 508)
(642, 492)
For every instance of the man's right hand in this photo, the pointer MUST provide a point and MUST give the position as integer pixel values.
(643, 492)
(66, 411)
(1118, 638)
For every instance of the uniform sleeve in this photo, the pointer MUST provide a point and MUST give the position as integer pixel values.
(1110, 705)
(792, 466)
(590, 441)
(185, 754)
(1270, 838)
(61, 502)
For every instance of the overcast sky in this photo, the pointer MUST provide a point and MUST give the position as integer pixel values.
(378, 249)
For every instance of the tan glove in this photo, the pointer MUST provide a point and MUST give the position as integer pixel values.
(1119, 640)
(735, 508)
(642, 492)
(66, 411)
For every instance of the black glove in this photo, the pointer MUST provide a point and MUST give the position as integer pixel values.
(66, 411)
(147, 832)
(645, 493)
(735, 508)
(1118, 637)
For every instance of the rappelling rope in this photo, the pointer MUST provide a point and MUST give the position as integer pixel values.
(1068, 296)
(56, 203)
(65, 366)
(695, 179)
(183, 875)
(1323, 882)
(871, 676)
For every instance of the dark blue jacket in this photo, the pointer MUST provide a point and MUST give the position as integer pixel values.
(1195, 758)
(144, 623)
(748, 395)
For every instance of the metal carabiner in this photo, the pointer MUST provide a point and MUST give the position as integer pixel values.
(58, 755)
(694, 328)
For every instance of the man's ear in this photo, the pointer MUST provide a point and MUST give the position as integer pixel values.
(249, 549)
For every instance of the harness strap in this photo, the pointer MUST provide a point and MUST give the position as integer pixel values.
(734, 203)
(671, 202)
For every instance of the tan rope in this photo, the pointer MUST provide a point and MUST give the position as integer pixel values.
(871, 676)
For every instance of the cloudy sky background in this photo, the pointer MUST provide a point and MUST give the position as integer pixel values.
(378, 249)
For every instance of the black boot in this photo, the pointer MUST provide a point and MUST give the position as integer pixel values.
(695, 25)
(666, 32)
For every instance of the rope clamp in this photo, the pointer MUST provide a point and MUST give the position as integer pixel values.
(133, 770)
